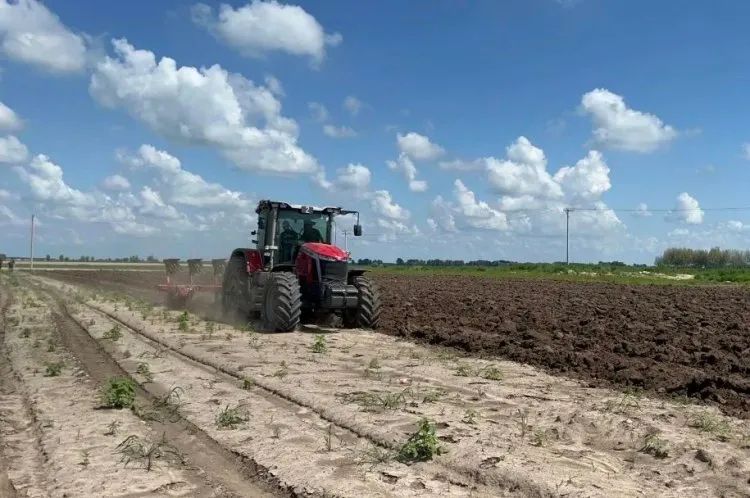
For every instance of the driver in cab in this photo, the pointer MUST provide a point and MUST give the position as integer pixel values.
(310, 233)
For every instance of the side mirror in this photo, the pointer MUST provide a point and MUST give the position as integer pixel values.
(357, 230)
(254, 241)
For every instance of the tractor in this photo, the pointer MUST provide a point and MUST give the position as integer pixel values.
(294, 273)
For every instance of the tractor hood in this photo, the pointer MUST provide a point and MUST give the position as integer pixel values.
(325, 251)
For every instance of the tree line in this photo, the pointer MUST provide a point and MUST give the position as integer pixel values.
(712, 258)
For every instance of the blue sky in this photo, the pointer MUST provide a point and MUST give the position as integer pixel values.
(459, 129)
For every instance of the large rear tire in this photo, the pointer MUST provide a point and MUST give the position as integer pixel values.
(367, 313)
(282, 305)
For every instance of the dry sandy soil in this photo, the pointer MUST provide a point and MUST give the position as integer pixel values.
(331, 422)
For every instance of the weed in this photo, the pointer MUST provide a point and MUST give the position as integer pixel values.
(210, 328)
(135, 449)
(119, 392)
(283, 370)
(712, 424)
(184, 321)
(523, 422)
(36, 344)
(491, 372)
(231, 417)
(540, 437)
(112, 428)
(26, 333)
(463, 371)
(84, 458)
(247, 383)
(655, 446)
(254, 341)
(433, 396)
(375, 455)
(170, 403)
(328, 438)
(51, 346)
(53, 369)
(421, 446)
(373, 402)
(319, 345)
(114, 334)
(374, 364)
(145, 371)
(630, 400)
(470, 417)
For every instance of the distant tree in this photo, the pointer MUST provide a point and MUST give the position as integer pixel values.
(151, 259)
(399, 261)
(47, 257)
(61, 258)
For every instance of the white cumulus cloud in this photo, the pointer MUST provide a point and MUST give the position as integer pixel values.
(116, 183)
(9, 120)
(618, 127)
(465, 212)
(12, 151)
(339, 131)
(523, 173)
(418, 147)
(261, 27)
(353, 177)
(31, 34)
(406, 167)
(588, 179)
(206, 106)
(382, 204)
(686, 210)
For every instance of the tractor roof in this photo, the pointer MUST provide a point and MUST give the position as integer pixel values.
(268, 204)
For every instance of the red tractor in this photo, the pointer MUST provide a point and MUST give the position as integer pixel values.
(295, 273)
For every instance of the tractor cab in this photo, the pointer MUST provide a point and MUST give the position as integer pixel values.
(294, 271)
(283, 229)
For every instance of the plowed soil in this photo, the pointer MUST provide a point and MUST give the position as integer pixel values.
(675, 340)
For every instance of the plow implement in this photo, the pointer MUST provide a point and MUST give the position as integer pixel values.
(178, 294)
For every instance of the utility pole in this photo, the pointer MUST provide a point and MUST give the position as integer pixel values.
(31, 244)
(346, 240)
(567, 235)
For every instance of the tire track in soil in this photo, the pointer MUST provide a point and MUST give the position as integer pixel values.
(234, 474)
(6, 389)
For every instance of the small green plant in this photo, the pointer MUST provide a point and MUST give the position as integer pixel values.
(231, 417)
(248, 383)
(84, 458)
(374, 364)
(51, 346)
(433, 396)
(470, 417)
(282, 371)
(118, 392)
(463, 371)
(53, 369)
(712, 424)
(523, 422)
(26, 332)
(184, 321)
(145, 453)
(328, 438)
(539, 437)
(375, 455)
(112, 428)
(655, 446)
(319, 345)
(114, 334)
(491, 372)
(421, 446)
(145, 371)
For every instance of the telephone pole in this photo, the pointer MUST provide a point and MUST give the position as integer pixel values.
(31, 244)
(567, 235)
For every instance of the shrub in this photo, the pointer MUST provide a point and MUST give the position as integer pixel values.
(118, 392)
(421, 446)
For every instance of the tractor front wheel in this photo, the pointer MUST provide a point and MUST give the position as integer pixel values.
(282, 305)
(367, 313)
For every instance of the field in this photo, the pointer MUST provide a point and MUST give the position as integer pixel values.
(575, 385)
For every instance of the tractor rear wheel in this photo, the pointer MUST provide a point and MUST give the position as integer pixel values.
(367, 313)
(282, 305)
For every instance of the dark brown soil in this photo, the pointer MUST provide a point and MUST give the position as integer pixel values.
(673, 340)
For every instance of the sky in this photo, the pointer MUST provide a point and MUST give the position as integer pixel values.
(459, 130)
